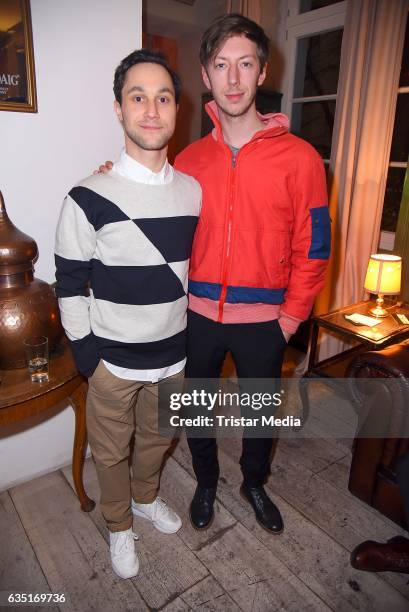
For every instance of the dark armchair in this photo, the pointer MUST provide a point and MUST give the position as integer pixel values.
(377, 461)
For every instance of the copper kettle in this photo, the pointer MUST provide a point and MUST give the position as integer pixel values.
(28, 306)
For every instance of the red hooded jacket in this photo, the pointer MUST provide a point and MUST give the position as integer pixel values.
(262, 243)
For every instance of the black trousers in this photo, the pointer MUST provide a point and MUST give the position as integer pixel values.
(258, 351)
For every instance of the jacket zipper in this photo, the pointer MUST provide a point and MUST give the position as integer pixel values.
(232, 187)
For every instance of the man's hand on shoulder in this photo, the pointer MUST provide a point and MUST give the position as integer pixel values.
(104, 168)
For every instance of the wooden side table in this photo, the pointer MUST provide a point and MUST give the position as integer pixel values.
(20, 398)
(388, 331)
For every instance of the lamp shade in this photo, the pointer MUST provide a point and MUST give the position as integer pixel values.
(384, 274)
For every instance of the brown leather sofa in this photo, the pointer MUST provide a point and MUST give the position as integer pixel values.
(373, 475)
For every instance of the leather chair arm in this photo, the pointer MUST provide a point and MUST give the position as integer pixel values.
(392, 361)
(368, 376)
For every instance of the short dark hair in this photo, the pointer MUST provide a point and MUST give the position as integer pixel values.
(233, 24)
(144, 56)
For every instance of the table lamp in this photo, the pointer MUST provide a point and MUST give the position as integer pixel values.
(383, 277)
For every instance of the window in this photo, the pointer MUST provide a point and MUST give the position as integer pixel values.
(398, 161)
(311, 5)
(314, 39)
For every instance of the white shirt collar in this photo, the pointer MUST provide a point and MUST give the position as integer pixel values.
(131, 169)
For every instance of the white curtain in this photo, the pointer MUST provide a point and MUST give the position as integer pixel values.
(367, 91)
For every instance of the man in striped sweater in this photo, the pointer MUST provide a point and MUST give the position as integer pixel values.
(122, 252)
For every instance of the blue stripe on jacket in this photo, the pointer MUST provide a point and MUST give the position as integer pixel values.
(237, 295)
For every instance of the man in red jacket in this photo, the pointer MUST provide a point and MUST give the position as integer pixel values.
(260, 250)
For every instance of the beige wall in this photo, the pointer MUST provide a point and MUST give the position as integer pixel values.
(77, 45)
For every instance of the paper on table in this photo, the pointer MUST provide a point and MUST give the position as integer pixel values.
(362, 319)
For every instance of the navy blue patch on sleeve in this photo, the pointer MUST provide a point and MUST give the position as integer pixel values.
(320, 234)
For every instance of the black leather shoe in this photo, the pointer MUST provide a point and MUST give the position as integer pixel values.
(267, 513)
(201, 508)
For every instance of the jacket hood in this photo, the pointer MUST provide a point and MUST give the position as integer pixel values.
(274, 123)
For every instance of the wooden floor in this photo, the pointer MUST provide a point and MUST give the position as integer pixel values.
(47, 544)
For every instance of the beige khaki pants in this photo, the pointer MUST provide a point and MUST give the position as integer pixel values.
(116, 409)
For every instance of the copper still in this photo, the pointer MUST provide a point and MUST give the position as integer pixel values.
(28, 306)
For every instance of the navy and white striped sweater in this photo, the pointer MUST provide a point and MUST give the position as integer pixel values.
(122, 255)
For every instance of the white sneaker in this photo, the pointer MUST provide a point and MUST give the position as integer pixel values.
(124, 559)
(161, 516)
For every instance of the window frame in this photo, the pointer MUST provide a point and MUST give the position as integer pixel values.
(387, 238)
(303, 25)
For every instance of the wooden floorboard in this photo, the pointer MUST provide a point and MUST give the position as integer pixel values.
(336, 513)
(72, 553)
(316, 455)
(20, 570)
(167, 566)
(47, 544)
(337, 473)
(246, 561)
(314, 556)
(253, 576)
(206, 595)
(334, 509)
(230, 546)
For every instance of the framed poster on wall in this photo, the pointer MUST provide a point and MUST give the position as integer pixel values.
(17, 76)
